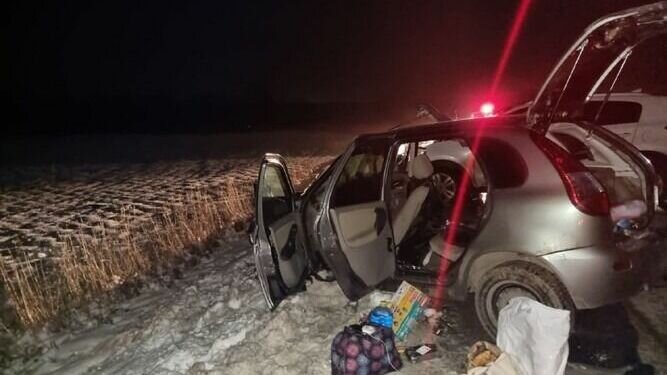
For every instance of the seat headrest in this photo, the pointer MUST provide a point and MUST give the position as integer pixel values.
(421, 167)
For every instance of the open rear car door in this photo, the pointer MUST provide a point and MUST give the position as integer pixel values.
(280, 262)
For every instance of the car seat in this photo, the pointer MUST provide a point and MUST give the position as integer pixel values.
(419, 168)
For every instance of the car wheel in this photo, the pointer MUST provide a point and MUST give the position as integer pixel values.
(446, 182)
(517, 279)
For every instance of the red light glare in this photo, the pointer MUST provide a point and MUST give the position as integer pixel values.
(450, 235)
(487, 109)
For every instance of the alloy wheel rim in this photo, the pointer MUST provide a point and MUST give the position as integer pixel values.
(445, 185)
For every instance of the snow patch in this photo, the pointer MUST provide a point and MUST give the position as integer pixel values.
(234, 303)
(222, 344)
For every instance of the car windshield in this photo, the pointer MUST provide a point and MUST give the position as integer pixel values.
(322, 173)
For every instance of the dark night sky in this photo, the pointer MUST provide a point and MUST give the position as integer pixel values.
(102, 65)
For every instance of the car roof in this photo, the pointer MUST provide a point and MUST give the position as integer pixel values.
(466, 125)
(629, 95)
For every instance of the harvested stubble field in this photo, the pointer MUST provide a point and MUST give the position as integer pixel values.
(70, 233)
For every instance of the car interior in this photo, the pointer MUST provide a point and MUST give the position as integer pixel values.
(615, 171)
(422, 216)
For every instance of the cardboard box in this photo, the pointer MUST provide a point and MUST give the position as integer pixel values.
(407, 305)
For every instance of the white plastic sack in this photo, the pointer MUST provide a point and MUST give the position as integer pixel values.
(535, 336)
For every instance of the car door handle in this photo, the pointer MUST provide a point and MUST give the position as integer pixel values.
(380, 220)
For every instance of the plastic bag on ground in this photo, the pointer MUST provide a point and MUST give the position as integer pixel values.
(534, 336)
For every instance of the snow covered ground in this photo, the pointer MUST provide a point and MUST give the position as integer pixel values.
(214, 321)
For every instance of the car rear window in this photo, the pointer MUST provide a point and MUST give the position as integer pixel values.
(504, 165)
(574, 147)
(614, 112)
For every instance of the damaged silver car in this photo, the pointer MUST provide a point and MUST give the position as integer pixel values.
(547, 206)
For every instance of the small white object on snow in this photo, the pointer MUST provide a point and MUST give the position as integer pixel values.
(234, 303)
(423, 349)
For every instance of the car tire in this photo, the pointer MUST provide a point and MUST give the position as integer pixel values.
(446, 179)
(514, 279)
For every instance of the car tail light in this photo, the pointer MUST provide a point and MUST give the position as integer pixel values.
(584, 190)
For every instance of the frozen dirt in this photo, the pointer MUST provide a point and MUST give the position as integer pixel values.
(214, 321)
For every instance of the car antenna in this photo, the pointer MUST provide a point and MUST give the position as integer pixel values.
(424, 110)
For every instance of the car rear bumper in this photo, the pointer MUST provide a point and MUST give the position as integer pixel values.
(600, 275)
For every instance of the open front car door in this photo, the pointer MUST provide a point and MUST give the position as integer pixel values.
(280, 262)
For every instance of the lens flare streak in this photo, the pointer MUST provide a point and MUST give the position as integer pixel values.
(464, 184)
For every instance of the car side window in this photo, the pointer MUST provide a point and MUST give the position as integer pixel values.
(613, 112)
(361, 178)
(275, 185)
(574, 147)
(504, 164)
(402, 158)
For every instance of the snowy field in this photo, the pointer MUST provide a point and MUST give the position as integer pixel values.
(211, 319)
(214, 321)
